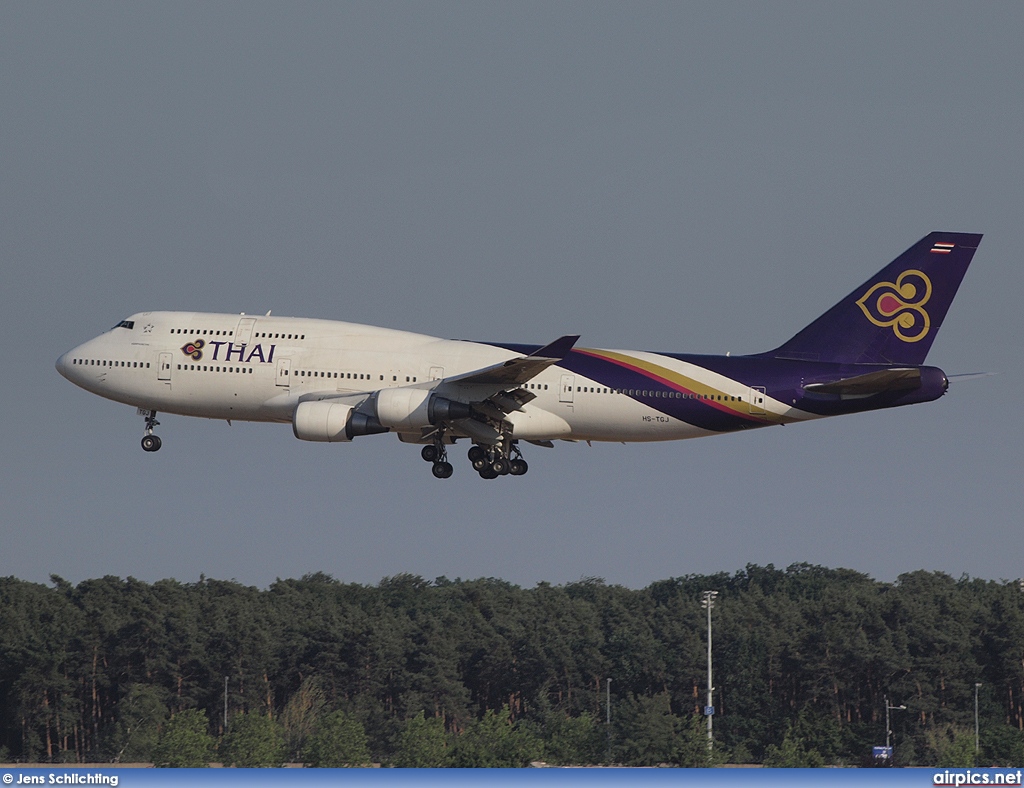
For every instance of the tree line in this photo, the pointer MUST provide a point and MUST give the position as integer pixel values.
(412, 672)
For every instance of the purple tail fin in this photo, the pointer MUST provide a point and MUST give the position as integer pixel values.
(894, 316)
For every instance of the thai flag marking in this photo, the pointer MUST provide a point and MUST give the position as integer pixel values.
(942, 248)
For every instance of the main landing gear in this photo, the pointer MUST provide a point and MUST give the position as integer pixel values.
(151, 442)
(501, 459)
(438, 455)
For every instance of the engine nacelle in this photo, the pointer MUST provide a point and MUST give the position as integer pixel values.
(322, 421)
(403, 409)
(332, 422)
(409, 410)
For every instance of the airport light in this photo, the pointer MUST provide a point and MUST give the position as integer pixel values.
(887, 727)
(707, 602)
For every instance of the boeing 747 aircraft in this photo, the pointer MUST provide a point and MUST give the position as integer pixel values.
(335, 381)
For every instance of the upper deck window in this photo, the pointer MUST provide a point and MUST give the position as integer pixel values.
(125, 324)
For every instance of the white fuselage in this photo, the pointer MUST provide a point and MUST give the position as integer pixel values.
(239, 367)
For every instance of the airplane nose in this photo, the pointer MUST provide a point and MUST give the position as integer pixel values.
(65, 367)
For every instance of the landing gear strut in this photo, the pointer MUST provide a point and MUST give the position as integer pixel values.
(438, 455)
(151, 442)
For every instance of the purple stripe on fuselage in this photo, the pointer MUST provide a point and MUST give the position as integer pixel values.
(652, 391)
(782, 379)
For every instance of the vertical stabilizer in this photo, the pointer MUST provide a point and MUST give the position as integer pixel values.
(894, 316)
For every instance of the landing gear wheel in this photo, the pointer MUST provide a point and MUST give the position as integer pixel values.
(480, 463)
(476, 453)
(487, 472)
(518, 467)
(442, 470)
(150, 442)
(500, 466)
(430, 454)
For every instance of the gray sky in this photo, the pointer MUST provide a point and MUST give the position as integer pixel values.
(662, 176)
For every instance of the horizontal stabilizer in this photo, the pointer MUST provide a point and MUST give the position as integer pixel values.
(871, 383)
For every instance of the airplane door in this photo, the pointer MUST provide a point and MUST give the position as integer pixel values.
(284, 368)
(163, 367)
(757, 394)
(244, 331)
(566, 388)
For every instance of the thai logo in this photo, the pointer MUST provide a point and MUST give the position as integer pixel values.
(194, 349)
(900, 305)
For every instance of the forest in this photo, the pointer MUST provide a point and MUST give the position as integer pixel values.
(416, 672)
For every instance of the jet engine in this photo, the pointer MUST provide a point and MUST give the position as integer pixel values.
(332, 422)
(402, 410)
(409, 410)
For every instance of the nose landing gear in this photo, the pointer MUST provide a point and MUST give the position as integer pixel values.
(151, 442)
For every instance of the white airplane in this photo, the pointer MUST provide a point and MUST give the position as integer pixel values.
(334, 381)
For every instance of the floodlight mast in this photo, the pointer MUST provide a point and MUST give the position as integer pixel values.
(887, 708)
(977, 738)
(708, 602)
(608, 721)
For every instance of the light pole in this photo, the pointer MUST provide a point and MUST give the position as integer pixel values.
(977, 738)
(887, 730)
(608, 719)
(708, 602)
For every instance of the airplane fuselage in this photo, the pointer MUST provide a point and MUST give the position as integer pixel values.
(223, 366)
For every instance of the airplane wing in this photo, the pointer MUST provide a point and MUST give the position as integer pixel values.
(495, 391)
(871, 383)
(487, 395)
(516, 371)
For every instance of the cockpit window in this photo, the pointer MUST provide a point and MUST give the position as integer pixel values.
(126, 324)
